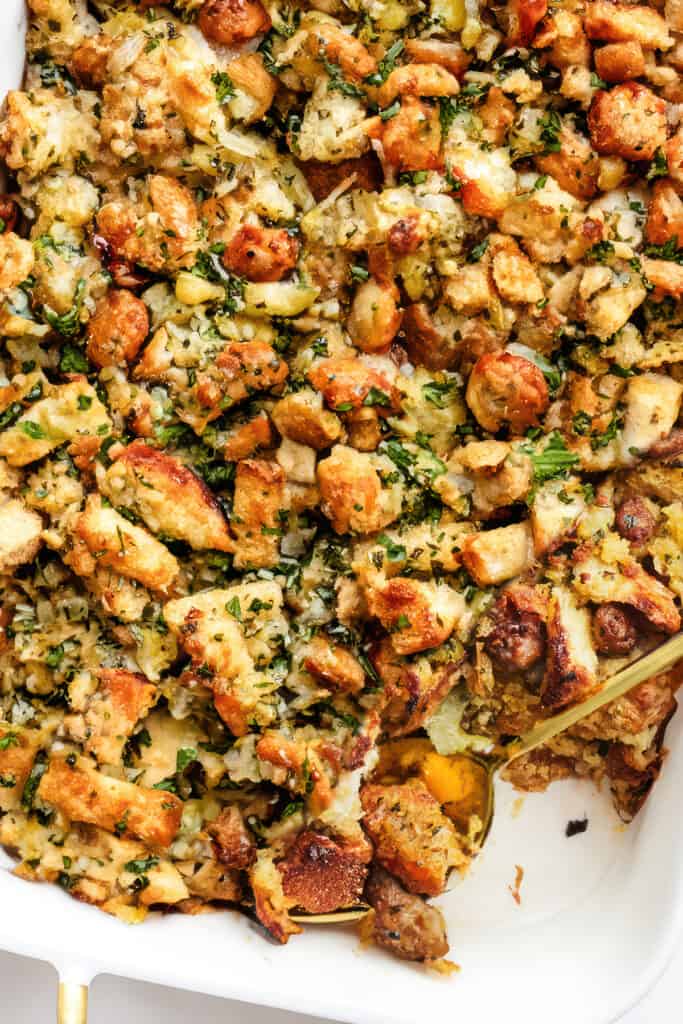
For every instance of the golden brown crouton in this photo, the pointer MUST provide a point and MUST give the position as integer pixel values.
(412, 690)
(249, 366)
(575, 167)
(505, 389)
(20, 535)
(301, 417)
(79, 791)
(233, 22)
(418, 615)
(563, 33)
(571, 662)
(118, 328)
(341, 47)
(413, 838)
(121, 700)
(245, 438)
(233, 843)
(417, 80)
(450, 55)
(514, 274)
(248, 73)
(334, 664)
(412, 138)
(665, 276)
(523, 16)
(89, 60)
(261, 254)
(374, 318)
(16, 260)
(18, 749)
(320, 875)
(168, 496)
(256, 521)
(617, 62)
(616, 23)
(498, 555)
(498, 113)
(345, 382)
(271, 905)
(664, 214)
(116, 543)
(628, 121)
(352, 494)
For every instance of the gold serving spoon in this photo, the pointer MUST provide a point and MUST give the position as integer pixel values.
(469, 778)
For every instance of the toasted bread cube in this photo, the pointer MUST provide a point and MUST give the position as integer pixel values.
(575, 167)
(168, 496)
(571, 662)
(418, 615)
(256, 521)
(353, 496)
(20, 535)
(664, 214)
(320, 875)
(334, 664)
(16, 260)
(233, 843)
(68, 411)
(628, 583)
(412, 138)
(81, 793)
(302, 418)
(629, 121)
(271, 905)
(665, 276)
(498, 555)
(653, 402)
(617, 62)
(246, 438)
(129, 550)
(123, 698)
(346, 381)
(554, 513)
(18, 749)
(617, 23)
(413, 838)
(514, 274)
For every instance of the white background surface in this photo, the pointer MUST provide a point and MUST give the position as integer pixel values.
(28, 991)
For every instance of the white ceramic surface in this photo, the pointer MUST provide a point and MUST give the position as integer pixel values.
(597, 924)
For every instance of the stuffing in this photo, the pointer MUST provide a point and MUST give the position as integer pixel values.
(170, 498)
(340, 438)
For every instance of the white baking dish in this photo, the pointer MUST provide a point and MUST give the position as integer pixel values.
(599, 918)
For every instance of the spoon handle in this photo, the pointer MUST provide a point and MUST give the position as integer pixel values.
(72, 1007)
(662, 658)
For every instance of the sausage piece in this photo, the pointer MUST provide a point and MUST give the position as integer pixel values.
(634, 520)
(261, 254)
(403, 923)
(231, 22)
(613, 629)
(517, 640)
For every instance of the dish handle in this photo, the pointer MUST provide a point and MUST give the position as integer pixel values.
(72, 1003)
